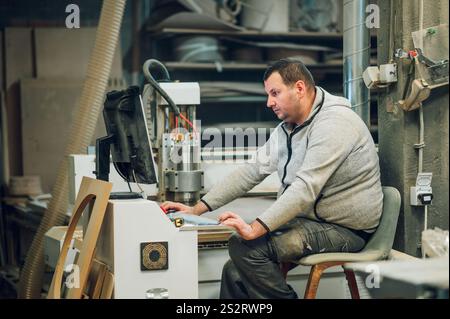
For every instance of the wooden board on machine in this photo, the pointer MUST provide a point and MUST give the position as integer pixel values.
(214, 236)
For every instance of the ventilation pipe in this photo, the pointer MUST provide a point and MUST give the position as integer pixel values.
(356, 57)
(81, 133)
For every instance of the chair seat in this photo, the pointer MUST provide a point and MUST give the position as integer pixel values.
(315, 259)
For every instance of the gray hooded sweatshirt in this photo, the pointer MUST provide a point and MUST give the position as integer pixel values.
(328, 168)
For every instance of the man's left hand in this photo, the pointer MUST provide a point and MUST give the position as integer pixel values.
(246, 231)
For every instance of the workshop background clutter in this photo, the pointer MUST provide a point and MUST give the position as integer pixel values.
(190, 73)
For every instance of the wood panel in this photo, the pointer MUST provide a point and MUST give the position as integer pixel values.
(48, 108)
(2, 80)
(108, 286)
(69, 50)
(19, 65)
(18, 48)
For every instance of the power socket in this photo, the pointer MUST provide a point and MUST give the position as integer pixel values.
(419, 197)
(422, 193)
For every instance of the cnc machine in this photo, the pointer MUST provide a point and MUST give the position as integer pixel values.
(155, 148)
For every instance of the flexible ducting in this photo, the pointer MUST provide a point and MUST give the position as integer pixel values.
(81, 133)
(356, 56)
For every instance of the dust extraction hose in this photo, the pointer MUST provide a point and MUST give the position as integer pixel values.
(81, 133)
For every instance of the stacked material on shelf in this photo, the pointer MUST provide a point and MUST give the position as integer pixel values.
(221, 89)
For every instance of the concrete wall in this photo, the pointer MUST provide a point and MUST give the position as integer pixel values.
(399, 130)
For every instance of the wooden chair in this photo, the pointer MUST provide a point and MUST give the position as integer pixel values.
(377, 248)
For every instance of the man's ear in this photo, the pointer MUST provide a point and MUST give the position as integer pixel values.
(300, 87)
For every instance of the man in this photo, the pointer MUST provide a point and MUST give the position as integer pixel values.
(330, 199)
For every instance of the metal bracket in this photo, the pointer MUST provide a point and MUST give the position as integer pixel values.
(420, 91)
(438, 69)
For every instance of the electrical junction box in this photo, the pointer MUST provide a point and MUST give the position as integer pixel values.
(380, 77)
(371, 76)
(388, 73)
(422, 193)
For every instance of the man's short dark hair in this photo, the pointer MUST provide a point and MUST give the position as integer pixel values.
(291, 70)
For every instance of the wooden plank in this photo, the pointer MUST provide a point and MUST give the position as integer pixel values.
(93, 274)
(98, 283)
(4, 135)
(48, 108)
(214, 237)
(2, 80)
(19, 61)
(19, 65)
(108, 286)
(69, 50)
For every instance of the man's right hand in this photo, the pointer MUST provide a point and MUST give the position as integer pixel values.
(178, 207)
(198, 209)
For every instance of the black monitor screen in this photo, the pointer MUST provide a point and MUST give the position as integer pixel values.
(125, 122)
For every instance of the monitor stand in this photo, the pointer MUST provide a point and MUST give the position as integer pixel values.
(102, 150)
(125, 195)
(102, 154)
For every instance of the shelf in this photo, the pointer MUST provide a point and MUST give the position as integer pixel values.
(253, 34)
(249, 33)
(257, 98)
(230, 66)
(235, 99)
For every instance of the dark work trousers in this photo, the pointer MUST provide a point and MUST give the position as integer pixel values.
(253, 270)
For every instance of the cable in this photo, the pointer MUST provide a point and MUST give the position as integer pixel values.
(421, 122)
(135, 180)
(421, 139)
(129, 186)
(391, 31)
(151, 63)
(119, 171)
(420, 24)
(189, 122)
(425, 222)
(420, 160)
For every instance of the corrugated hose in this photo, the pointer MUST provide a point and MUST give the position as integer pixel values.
(82, 130)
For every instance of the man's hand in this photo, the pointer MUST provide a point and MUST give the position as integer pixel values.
(177, 207)
(198, 209)
(246, 231)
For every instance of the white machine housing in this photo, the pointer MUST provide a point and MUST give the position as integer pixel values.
(182, 93)
(129, 223)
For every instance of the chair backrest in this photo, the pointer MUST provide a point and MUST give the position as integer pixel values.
(383, 238)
